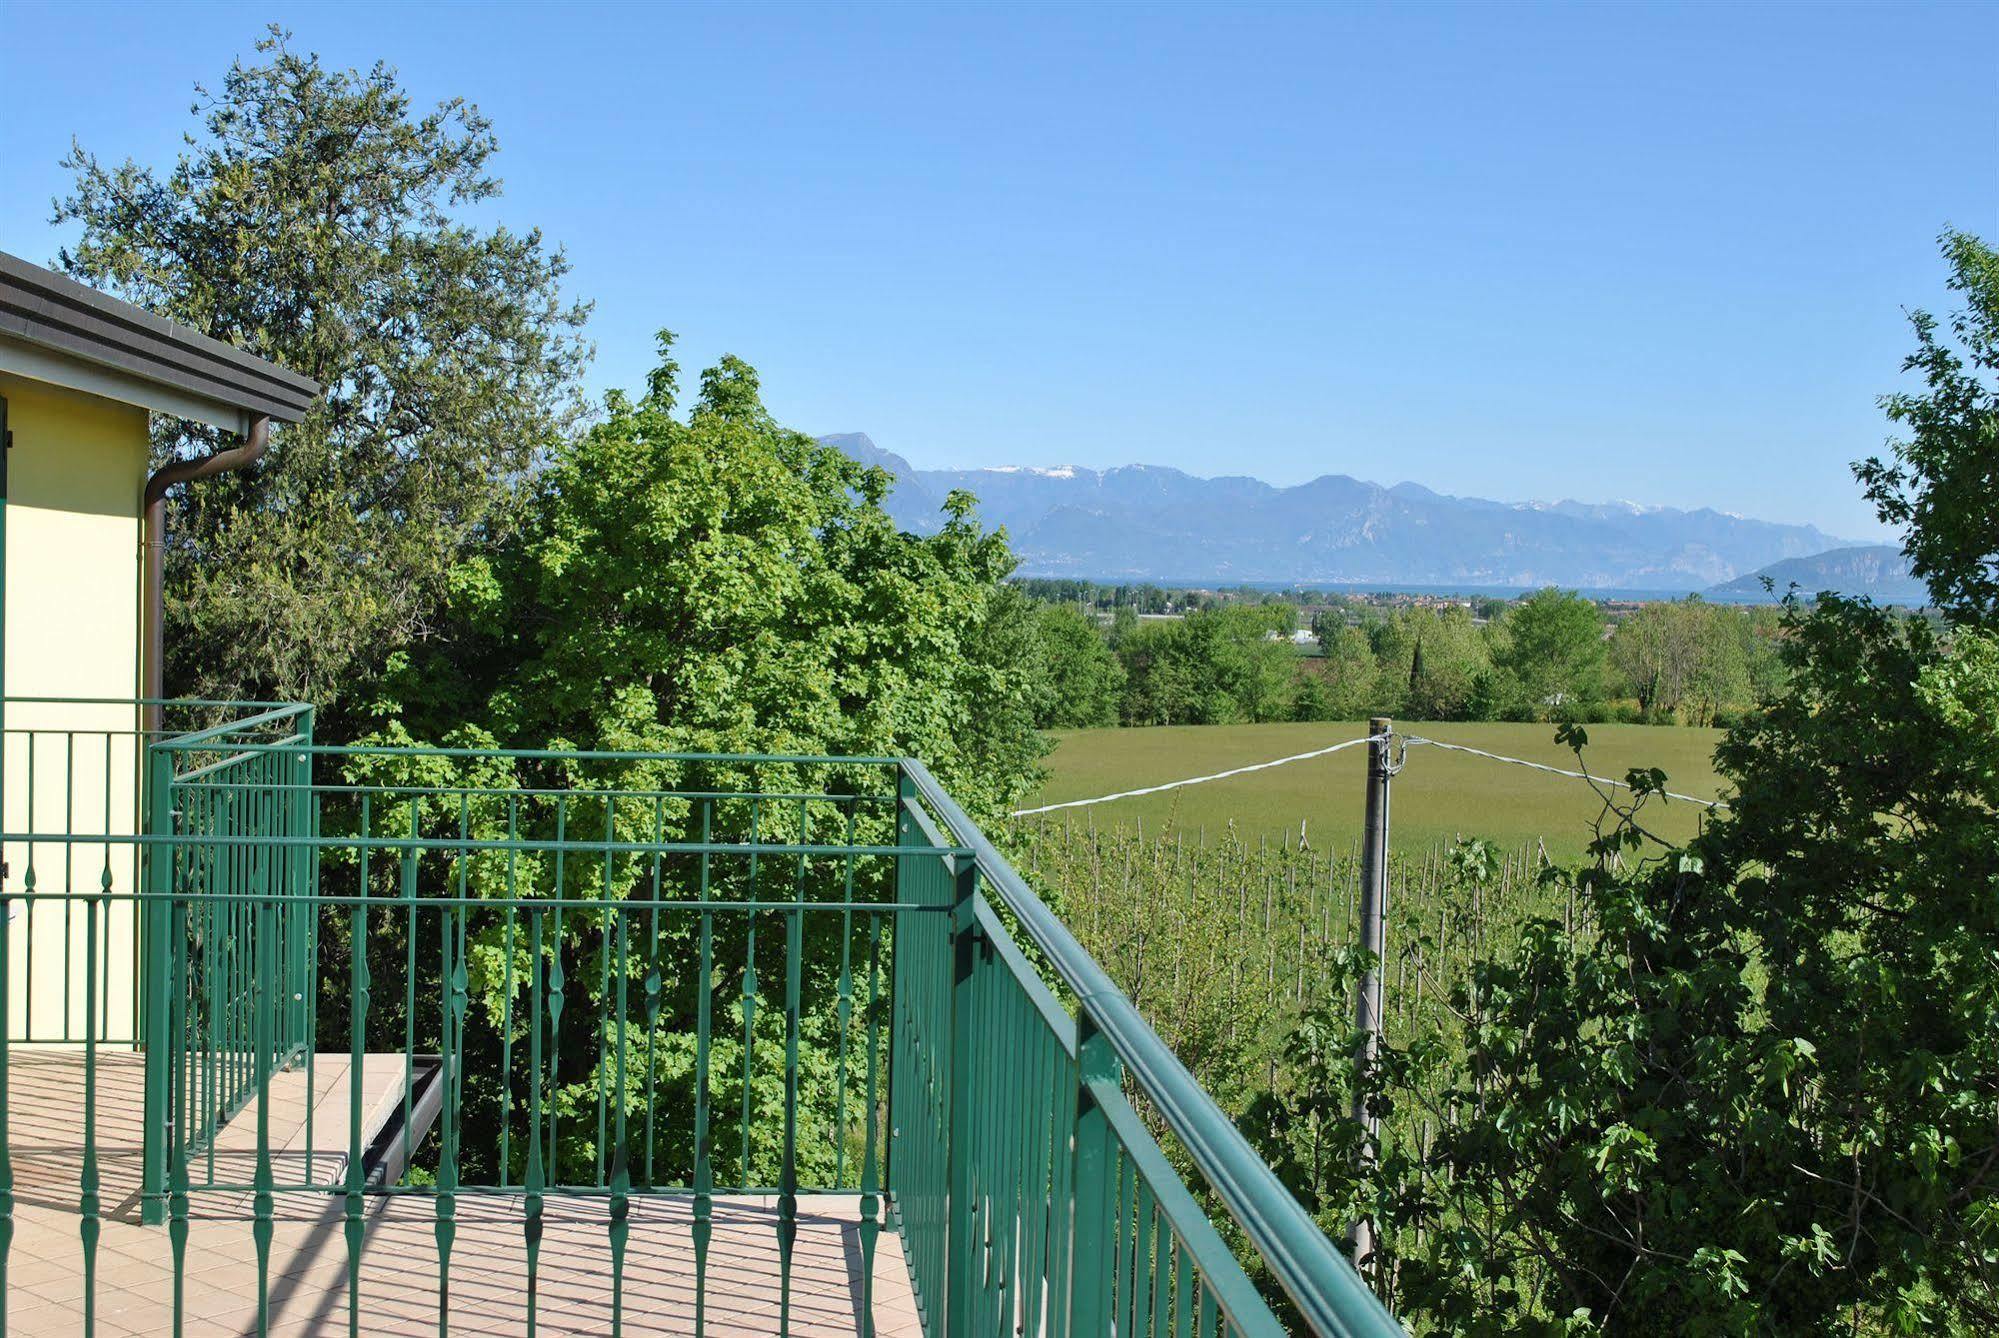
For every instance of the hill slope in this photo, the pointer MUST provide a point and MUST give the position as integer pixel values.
(1876, 570)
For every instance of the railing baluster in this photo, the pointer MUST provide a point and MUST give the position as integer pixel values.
(409, 871)
(1064, 1125)
(704, 1176)
(621, 1177)
(1009, 1125)
(556, 983)
(1037, 1193)
(68, 883)
(749, 994)
(217, 952)
(28, 879)
(604, 979)
(870, 1198)
(261, 1229)
(1143, 1264)
(104, 920)
(1098, 1240)
(531, 1225)
(1183, 1305)
(652, 991)
(175, 991)
(507, 989)
(844, 1010)
(451, 983)
(357, 1039)
(787, 1196)
(300, 821)
(87, 1206)
(966, 1224)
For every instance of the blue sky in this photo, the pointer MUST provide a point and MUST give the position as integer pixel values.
(1657, 253)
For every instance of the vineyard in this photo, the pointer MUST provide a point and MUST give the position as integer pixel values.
(1245, 953)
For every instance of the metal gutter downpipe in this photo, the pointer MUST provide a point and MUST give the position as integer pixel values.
(166, 476)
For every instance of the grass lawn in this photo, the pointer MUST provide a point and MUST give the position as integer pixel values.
(1439, 795)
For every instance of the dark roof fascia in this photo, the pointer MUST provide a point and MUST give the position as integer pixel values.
(56, 313)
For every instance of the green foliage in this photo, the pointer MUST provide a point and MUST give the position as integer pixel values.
(1554, 653)
(1682, 661)
(709, 583)
(1940, 480)
(719, 583)
(1689, 659)
(1211, 667)
(1429, 661)
(1085, 680)
(313, 221)
(1757, 1092)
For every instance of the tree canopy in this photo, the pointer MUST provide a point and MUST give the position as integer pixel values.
(1941, 479)
(1554, 653)
(315, 220)
(719, 583)
(1757, 1092)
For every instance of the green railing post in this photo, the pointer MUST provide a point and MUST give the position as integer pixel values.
(160, 1127)
(962, 1234)
(1089, 1302)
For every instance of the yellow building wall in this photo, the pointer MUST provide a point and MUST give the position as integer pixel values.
(73, 621)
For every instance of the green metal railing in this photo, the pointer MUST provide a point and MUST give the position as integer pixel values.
(1035, 1199)
(230, 927)
(616, 977)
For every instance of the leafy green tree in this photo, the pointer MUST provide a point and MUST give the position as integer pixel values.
(1085, 680)
(1212, 667)
(1349, 670)
(703, 583)
(1434, 657)
(1685, 657)
(1940, 480)
(1756, 1092)
(1311, 698)
(720, 583)
(313, 220)
(1553, 653)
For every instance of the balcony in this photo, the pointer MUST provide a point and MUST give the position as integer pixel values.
(403, 1040)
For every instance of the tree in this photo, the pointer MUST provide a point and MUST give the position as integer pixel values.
(1757, 1092)
(312, 222)
(1212, 667)
(1434, 656)
(1085, 680)
(723, 584)
(1685, 657)
(1553, 652)
(1941, 479)
(1349, 671)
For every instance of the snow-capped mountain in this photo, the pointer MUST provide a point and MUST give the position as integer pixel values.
(1149, 522)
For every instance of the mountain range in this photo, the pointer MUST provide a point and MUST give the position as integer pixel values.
(1153, 523)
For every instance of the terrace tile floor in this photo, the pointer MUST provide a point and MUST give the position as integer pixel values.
(400, 1291)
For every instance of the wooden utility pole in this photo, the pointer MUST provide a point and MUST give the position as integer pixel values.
(1373, 919)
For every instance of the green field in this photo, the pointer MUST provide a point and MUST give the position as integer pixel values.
(1438, 795)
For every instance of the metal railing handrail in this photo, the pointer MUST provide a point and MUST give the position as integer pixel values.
(1328, 1292)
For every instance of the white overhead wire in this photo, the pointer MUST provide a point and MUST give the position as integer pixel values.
(1553, 771)
(1193, 780)
(1341, 746)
